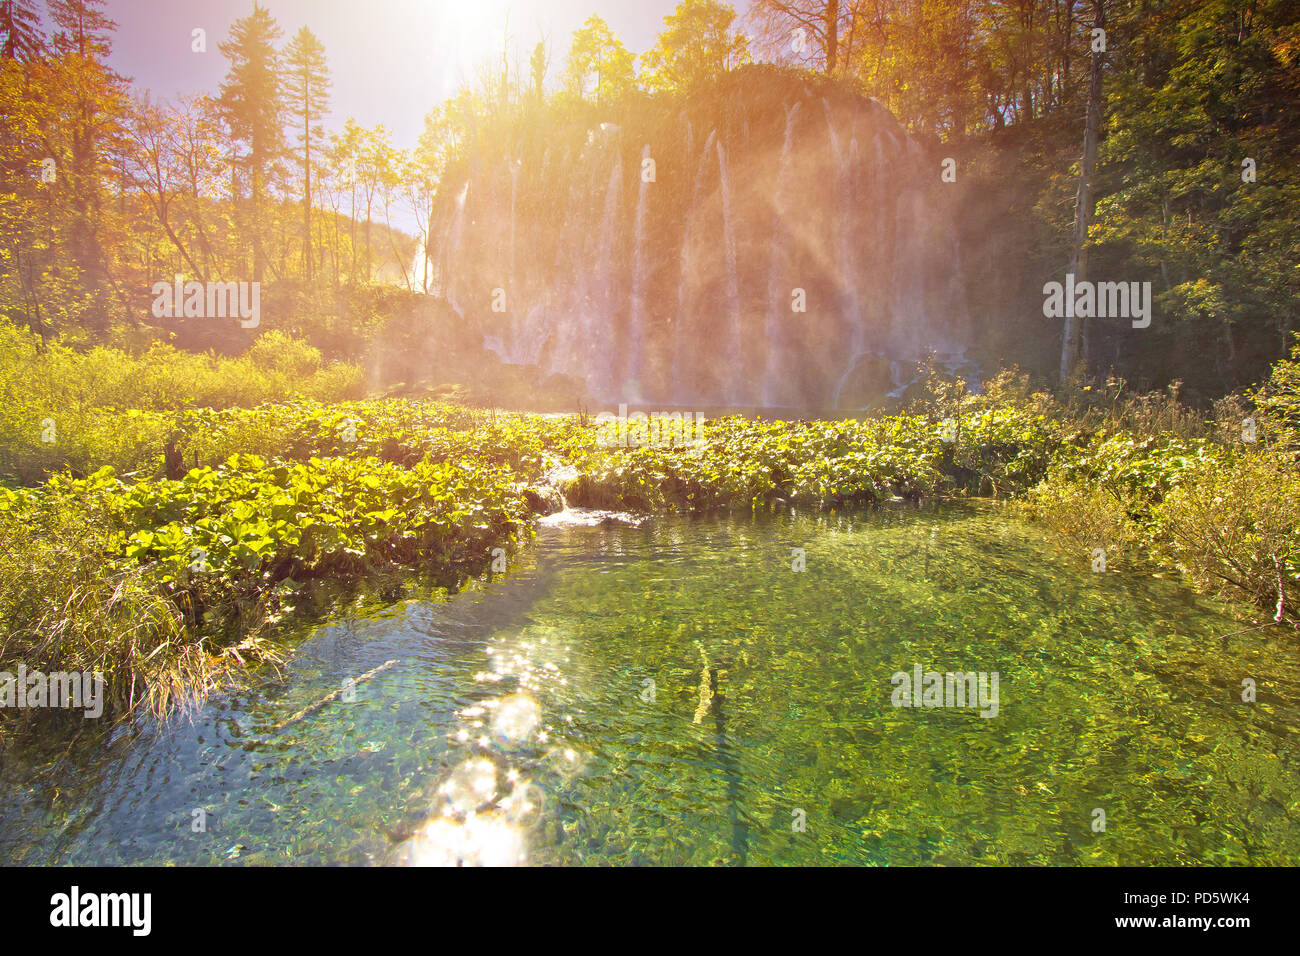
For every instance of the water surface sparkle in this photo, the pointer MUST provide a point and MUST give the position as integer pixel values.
(550, 717)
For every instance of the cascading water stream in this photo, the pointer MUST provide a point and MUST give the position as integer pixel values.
(732, 357)
(450, 270)
(851, 307)
(589, 337)
(776, 294)
(598, 341)
(636, 321)
(684, 264)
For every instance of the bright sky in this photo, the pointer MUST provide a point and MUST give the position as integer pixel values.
(392, 61)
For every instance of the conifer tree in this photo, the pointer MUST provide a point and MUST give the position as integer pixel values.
(252, 102)
(307, 84)
(20, 30)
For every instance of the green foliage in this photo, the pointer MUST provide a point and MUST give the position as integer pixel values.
(65, 605)
(1197, 95)
(392, 430)
(697, 44)
(61, 407)
(748, 462)
(1278, 401)
(1088, 515)
(104, 575)
(1139, 470)
(599, 64)
(284, 498)
(1234, 529)
(1226, 515)
(249, 524)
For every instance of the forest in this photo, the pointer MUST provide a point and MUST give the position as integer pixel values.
(1193, 185)
(978, 316)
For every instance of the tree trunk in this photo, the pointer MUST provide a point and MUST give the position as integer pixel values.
(1085, 203)
(258, 262)
(306, 198)
(832, 22)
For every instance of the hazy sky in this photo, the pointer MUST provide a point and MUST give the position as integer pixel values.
(391, 60)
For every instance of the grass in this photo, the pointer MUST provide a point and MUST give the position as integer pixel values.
(63, 408)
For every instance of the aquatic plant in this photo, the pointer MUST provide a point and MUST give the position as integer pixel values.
(250, 514)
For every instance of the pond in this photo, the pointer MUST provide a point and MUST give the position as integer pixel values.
(675, 692)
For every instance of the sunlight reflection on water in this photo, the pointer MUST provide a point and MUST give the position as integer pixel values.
(488, 805)
(547, 717)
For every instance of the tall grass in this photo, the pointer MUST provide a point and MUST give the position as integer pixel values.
(67, 408)
(66, 606)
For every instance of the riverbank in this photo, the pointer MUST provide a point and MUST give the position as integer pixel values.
(171, 586)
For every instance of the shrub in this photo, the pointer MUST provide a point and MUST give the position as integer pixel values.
(66, 606)
(1233, 527)
(1278, 401)
(1089, 516)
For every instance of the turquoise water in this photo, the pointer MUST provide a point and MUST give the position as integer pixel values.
(675, 693)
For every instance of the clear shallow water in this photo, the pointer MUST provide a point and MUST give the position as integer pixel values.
(523, 710)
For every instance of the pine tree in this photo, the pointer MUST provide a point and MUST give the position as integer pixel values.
(20, 28)
(307, 85)
(83, 28)
(252, 103)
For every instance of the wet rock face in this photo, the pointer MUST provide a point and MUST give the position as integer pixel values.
(763, 244)
(869, 382)
(543, 499)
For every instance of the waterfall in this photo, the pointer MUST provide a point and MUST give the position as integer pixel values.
(909, 319)
(420, 266)
(732, 357)
(857, 350)
(848, 214)
(598, 345)
(450, 270)
(859, 331)
(850, 304)
(683, 278)
(636, 321)
(778, 304)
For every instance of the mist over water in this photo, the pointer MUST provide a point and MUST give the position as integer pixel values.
(781, 250)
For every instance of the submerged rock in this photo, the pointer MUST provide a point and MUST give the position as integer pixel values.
(592, 517)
